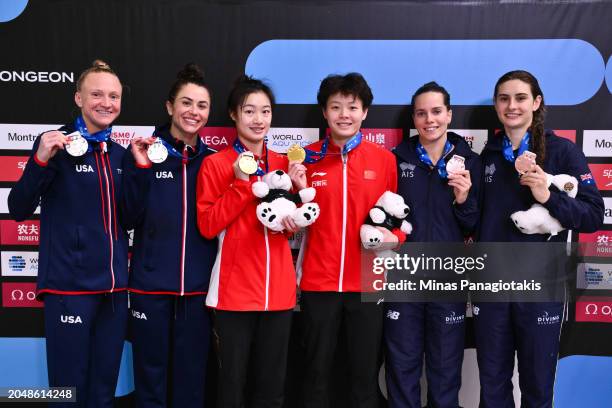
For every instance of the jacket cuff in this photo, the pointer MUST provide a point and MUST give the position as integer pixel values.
(552, 202)
(399, 234)
(140, 166)
(40, 162)
(468, 204)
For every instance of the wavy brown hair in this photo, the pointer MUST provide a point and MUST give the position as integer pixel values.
(538, 142)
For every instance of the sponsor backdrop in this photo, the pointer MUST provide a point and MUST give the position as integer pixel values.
(397, 45)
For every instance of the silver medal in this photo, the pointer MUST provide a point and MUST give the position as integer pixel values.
(455, 164)
(77, 145)
(157, 152)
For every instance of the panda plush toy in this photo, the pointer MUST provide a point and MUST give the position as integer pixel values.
(277, 202)
(389, 212)
(537, 219)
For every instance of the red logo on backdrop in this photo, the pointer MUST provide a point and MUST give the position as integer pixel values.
(19, 294)
(603, 175)
(567, 134)
(595, 309)
(11, 167)
(19, 233)
(388, 138)
(596, 244)
(218, 138)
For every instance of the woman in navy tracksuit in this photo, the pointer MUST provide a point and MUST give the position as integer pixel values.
(82, 271)
(502, 328)
(171, 263)
(444, 208)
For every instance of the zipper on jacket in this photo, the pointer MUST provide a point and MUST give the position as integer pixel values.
(184, 216)
(109, 212)
(344, 193)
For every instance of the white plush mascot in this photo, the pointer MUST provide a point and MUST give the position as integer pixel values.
(389, 212)
(277, 202)
(537, 219)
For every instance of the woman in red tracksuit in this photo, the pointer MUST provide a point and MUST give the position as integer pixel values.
(253, 283)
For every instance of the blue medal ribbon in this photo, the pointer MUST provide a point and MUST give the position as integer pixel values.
(313, 156)
(173, 152)
(441, 164)
(507, 147)
(239, 148)
(98, 137)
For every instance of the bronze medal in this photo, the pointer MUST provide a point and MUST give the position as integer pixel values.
(525, 162)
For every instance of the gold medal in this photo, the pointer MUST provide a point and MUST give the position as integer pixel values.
(247, 163)
(296, 153)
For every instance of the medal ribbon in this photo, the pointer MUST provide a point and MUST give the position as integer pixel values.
(509, 154)
(239, 148)
(313, 157)
(441, 164)
(175, 153)
(98, 137)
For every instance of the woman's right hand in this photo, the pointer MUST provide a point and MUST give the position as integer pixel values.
(50, 143)
(139, 150)
(239, 174)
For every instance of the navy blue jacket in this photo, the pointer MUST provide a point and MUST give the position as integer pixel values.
(433, 215)
(83, 247)
(169, 256)
(503, 195)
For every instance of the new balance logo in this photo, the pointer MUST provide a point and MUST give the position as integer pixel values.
(393, 315)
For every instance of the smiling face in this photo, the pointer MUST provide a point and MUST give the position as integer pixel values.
(515, 104)
(431, 117)
(344, 115)
(189, 111)
(253, 118)
(99, 99)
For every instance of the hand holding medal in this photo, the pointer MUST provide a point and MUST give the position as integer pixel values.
(245, 165)
(537, 181)
(157, 152)
(77, 145)
(297, 171)
(50, 143)
(458, 178)
(525, 162)
(455, 164)
(139, 148)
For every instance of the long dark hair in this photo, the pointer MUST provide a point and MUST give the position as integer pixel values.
(538, 142)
